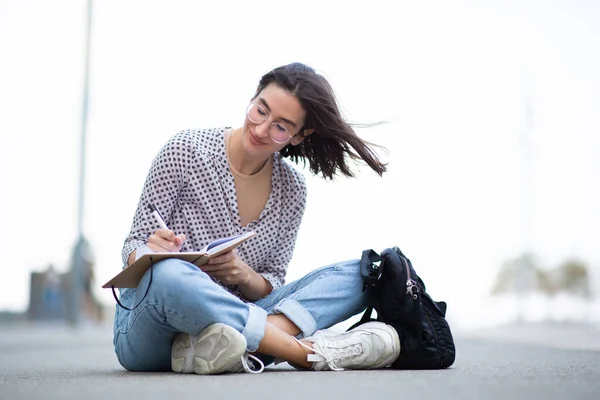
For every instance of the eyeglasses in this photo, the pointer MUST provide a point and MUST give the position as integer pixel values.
(277, 131)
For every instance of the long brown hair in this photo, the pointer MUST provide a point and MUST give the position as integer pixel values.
(333, 139)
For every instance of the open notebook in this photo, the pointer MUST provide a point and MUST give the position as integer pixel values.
(130, 276)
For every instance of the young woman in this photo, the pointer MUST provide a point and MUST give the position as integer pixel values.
(215, 183)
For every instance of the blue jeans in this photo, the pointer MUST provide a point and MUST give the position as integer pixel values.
(182, 298)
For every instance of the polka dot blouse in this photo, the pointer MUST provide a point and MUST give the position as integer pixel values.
(191, 185)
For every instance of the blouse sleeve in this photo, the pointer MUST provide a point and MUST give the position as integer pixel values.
(167, 176)
(280, 257)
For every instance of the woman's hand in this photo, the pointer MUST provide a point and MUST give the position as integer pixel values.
(229, 269)
(165, 240)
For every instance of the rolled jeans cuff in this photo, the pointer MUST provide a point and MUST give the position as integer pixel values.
(254, 330)
(299, 315)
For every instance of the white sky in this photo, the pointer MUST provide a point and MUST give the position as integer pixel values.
(453, 77)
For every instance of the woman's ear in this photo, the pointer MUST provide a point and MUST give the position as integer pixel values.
(296, 140)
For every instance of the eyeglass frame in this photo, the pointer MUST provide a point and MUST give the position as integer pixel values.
(252, 103)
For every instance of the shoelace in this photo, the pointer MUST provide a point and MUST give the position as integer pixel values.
(245, 364)
(346, 352)
(327, 354)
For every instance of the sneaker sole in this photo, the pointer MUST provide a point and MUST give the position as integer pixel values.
(216, 350)
(395, 343)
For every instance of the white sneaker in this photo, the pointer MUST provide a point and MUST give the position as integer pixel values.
(368, 346)
(217, 349)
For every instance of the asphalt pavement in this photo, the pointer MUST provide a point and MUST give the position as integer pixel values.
(523, 362)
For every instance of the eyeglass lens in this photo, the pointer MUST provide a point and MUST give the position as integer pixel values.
(278, 132)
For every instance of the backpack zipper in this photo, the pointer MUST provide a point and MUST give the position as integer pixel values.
(411, 285)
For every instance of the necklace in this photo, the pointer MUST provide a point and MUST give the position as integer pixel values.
(231, 166)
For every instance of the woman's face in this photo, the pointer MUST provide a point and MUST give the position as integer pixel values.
(281, 109)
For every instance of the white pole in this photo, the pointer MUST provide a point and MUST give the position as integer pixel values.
(76, 283)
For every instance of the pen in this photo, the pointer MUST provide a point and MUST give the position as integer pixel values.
(157, 215)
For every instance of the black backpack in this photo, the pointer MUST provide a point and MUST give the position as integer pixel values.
(398, 296)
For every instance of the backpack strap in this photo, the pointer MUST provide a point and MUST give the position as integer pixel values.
(370, 270)
(366, 317)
